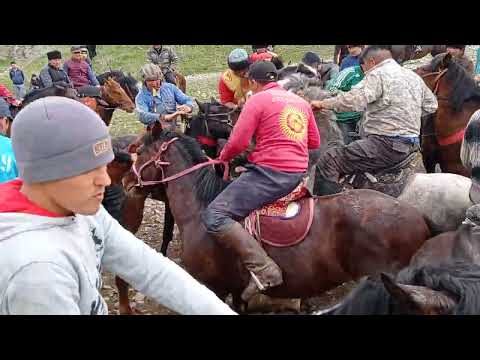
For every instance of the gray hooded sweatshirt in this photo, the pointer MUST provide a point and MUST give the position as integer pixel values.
(52, 265)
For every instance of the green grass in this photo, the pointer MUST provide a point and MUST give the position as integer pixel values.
(194, 59)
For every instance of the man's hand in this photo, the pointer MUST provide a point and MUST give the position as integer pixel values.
(317, 104)
(170, 117)
(184, 108)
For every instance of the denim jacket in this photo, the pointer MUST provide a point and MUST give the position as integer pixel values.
(149, 107)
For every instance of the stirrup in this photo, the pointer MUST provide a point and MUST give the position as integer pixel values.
(257, 282)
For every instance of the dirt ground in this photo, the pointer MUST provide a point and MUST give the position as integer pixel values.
(151, 232)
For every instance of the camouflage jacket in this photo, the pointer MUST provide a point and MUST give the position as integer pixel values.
(394, 100)
(164, 57)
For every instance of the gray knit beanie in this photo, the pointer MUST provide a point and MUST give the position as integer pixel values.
(55, 138)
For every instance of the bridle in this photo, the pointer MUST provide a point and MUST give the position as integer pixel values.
(436, 86)
(158, 161)
(207, 115)
(436, 81)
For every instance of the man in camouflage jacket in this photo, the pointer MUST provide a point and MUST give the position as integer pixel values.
(166, 58)
(394, 100)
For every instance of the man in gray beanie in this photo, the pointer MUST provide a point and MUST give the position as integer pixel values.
(55, 237)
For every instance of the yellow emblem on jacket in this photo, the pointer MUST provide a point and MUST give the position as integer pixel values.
(293, 123)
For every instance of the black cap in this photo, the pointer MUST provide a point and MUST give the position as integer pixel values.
(263, 71)
(311, 58)
(55, 54)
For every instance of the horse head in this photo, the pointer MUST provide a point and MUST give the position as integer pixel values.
(116, 97)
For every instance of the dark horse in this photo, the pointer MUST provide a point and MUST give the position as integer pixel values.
(213, 122)
(458, 98)
(442, 278)
(128, 211)
(353, 234)
(128, 83)
(56, 90)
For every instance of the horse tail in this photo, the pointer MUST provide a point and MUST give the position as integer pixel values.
(470, 151)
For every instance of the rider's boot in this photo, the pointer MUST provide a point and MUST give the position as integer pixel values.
(264, 272)
(324, 186)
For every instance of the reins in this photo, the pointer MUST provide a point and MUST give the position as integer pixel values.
(159, 163)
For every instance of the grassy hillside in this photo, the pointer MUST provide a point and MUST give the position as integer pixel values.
(194, 60)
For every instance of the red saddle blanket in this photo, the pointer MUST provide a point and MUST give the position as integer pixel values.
(285, 222)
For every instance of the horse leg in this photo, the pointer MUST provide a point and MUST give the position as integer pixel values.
(168, 225)
(450, 160)
(123, 302)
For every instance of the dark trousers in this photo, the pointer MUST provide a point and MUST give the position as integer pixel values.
(252, 190)
(347, 127)
(372, 154)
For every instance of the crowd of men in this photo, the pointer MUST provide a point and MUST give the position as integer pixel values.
(52, 186)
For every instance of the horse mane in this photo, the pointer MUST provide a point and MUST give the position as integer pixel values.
(119, 147)
(207, 184)
(461, 279)
(124, 80)
(470, 151)
(463, 85)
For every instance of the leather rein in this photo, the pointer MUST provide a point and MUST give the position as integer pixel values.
(158, 161)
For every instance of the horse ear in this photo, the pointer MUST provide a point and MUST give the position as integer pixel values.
(157, 130)
(447, 59)
(201, 106)
(418, 299)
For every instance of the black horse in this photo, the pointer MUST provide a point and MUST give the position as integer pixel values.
(128, 83)
(212, 126)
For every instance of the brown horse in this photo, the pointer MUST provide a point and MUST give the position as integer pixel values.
(402, 53)
(128, 211)
(353, 234)
(442, 278)
(116, 98)
(181, 82)
(458, 98)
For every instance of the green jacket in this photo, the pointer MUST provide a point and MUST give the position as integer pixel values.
(343, 82)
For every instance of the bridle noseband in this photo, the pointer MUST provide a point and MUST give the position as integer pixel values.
(158, 162)
(436, 81)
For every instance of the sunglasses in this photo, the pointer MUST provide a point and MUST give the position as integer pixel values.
(77, 52)
(84, 52)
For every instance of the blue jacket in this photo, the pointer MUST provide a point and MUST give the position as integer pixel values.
(349, 61)
(8, 165)
(149, 107)
(17, 77)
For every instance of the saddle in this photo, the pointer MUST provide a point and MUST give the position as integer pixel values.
(286, 222)
(390, 180)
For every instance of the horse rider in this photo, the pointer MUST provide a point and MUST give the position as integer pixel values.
(316, 67)
(53, 73)
(351, 59)
(265, 53)
(56, 237)
(78, 70)
(343, 82)
(160, 101)
(84, 51)
(394, 100)
(8, 166)
(166, 59)
(458, 53)
(234, 84)
(284, 128)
